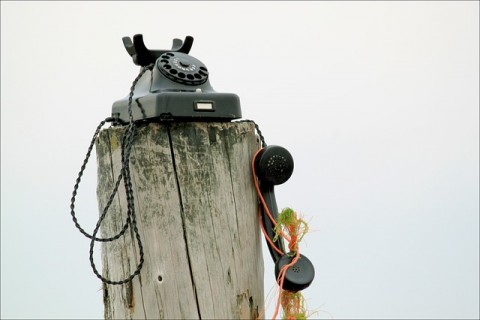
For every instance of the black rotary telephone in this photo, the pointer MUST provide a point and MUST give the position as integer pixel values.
(173, 85)
(273, 165)
(176, 87)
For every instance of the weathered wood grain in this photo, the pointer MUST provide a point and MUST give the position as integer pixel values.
(197, 216)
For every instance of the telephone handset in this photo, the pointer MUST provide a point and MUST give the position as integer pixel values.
(176, 87)
(273, 165)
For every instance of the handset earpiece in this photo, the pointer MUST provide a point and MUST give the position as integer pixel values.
(273, 166)
(299, 276)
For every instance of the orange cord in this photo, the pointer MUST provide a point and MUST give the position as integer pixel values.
(291, 302)
(266, 235)
(281, 279)
(262, 200)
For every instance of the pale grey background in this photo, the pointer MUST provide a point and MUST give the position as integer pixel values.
(378, 103)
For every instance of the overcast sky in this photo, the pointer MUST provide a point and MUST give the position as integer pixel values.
(377, 102)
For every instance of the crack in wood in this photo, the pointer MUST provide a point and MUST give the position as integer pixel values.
(185, 237)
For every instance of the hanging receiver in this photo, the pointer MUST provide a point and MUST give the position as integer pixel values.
(273, 165)
(176, 87)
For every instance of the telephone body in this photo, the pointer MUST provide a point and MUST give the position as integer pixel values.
(176, 87)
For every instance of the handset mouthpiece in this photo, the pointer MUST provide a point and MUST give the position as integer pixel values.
(274, 165)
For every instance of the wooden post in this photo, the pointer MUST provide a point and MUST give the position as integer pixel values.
(197, 215)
